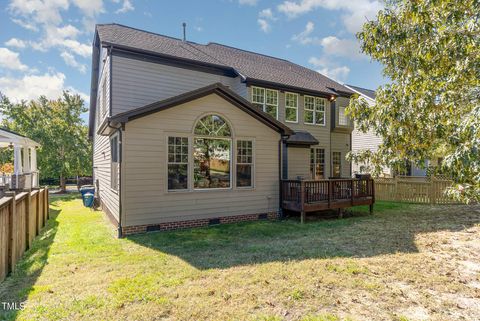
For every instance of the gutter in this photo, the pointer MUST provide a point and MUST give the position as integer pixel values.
(120, 156)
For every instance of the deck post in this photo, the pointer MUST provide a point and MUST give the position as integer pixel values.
(302, 201)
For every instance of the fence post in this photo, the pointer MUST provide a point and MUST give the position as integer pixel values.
(302, 201)
(432, 190)
(396, 198)
(10, 238)
(47, 203)
(27, 220)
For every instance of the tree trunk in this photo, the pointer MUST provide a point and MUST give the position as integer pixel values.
(63, 185)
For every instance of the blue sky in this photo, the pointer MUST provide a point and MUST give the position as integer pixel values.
(45, 45)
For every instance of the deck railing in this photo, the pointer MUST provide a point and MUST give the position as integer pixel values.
(314, 195)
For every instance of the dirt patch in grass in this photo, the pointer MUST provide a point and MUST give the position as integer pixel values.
(405, 262)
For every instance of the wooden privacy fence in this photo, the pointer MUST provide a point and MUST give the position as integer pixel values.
(22, 216)
(413, 189)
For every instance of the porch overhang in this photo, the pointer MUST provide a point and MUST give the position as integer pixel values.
(301, 139)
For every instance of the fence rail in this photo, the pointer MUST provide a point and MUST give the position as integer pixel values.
(424, 190)
(22, 216)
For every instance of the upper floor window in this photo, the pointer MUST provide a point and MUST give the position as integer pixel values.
(314, 110)
(267, 99)
(342, 118)
(291, 107)
(212, 153)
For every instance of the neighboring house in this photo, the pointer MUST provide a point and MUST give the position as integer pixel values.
(370, 141)
(187, 134)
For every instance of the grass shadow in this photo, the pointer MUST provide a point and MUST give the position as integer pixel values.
(390, 230)
(19, 284)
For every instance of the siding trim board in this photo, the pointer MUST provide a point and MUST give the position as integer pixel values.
(216, 88)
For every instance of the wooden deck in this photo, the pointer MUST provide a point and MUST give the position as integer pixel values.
(315, 195)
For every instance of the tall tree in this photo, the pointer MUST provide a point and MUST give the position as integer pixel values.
(57, 125)
(430, 51)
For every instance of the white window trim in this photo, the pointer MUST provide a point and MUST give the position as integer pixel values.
(117, 136)
(315, 111)
(252, 187)
(167, 135)
(316, 162)
(193, 165)
(265, 99)
(296, 109)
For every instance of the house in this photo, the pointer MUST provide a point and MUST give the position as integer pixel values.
(187, 134)
(370, 141)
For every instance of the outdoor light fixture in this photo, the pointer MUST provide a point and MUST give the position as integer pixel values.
(332, 98)
(10, 145)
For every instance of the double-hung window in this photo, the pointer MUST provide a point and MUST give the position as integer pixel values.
(317, 163)
(177, 163)
(244, 163)
(342, 118)
(114, 163)
(314, 110)
(267, 99)
(337, 164)
(291, 107)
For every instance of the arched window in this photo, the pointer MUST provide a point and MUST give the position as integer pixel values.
(212, 153)
(212, 125)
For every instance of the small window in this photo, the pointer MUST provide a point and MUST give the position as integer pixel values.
(317, 163)
(342, 118)
(115, 163)
(291, 107)
(267, 99)
(177, 163)
(337, 164)
(244, 163)
(314, 110)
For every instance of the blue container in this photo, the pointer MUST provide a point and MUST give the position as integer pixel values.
(88, 199)
(87, 189)
(88, 195)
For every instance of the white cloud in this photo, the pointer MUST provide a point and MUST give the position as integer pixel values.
(29, 87)
(127, 6)
(16, 43)
(330, 69)
(89, 7)
(341, 47)
(264, 25)
(265, 17)
(248, 2)
(267, 14)
(356, 12)
(71, 61)
(11, 60)
(24, 24)
(304, 37)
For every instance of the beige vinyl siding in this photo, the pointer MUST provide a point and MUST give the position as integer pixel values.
(298, 163)
(137, 83)
(101, 150)
(144, 178)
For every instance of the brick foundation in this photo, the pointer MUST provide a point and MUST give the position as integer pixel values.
(128, 230)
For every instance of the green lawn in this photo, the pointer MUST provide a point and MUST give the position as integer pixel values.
(405, 262)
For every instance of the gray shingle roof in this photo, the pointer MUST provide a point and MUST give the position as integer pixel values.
(367, 92)
(302, 138)
(248, 64)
